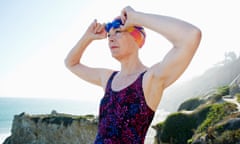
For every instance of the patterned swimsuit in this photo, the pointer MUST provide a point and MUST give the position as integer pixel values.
(124, 115)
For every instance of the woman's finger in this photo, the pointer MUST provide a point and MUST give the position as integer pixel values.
(100, 27)
(123, 16)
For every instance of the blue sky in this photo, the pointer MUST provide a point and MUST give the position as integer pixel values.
(27, 25)
(35, 37)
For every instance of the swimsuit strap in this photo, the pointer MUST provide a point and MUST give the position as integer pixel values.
(110, 80)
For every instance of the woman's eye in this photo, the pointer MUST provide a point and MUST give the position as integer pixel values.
(115, 33)
(118, 31)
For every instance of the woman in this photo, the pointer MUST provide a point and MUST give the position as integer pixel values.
(132, 94)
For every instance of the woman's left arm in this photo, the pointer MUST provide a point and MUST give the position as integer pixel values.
(184, 37)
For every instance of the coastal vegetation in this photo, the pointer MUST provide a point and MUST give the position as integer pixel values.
(211, 113)
(208, 121)
(60, 118)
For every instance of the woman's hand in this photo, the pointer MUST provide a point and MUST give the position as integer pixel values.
(96, 31)
(127, 17)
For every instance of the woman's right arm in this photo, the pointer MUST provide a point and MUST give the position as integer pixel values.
(96, 76)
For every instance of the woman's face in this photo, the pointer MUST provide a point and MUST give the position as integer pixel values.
(121, 43)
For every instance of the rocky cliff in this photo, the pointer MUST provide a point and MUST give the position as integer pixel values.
(54, 128)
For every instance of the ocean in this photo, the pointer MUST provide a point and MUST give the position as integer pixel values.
(14, 106)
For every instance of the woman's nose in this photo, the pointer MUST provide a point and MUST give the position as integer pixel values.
(111, 38)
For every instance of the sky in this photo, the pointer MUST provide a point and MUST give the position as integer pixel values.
(36, 36)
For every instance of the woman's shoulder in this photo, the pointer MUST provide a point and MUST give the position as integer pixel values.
(106, 75)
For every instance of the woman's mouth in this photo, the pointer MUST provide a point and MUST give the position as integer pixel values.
(113, 47)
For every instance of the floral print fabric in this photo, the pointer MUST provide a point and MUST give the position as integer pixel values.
(124, 115)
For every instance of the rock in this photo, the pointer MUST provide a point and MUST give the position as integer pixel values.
(232, 124)
(52, 129)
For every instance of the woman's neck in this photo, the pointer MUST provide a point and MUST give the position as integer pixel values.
(132, 67)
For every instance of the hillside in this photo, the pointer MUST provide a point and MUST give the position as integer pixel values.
(219, 75)
(213, 118)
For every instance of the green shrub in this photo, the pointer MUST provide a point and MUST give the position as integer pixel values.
(220, 92)
(201, 113)
(158, 127)
(190, 141)
(228, 137)
(217, 113)
(223, 90)
(178, 128)
(191, 104)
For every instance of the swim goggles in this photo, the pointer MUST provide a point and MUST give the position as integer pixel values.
(117, 23)
(114, 24)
